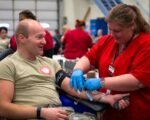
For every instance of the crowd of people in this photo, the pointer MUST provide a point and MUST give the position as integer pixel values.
(48, 48)
(65, 44)
(29, 77)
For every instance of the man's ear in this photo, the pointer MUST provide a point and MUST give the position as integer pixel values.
(21, 38)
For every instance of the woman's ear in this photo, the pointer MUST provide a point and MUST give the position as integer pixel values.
(133, 27)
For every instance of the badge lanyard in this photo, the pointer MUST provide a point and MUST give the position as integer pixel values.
(111, 67)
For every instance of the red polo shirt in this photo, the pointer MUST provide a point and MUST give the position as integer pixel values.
(76, 43)
(135, 60)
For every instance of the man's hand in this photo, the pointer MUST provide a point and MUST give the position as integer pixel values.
(54, 114)
(117, 101)
(92, 84)
(77, 80)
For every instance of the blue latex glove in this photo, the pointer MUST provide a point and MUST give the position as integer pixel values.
(77, 80)
(92, 84)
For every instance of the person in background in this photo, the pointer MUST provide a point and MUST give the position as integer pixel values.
(76, 42)
(65, 29)
(4, 40)
(122, 58)
(28, 80)
(48, 48)
(57, 44)
(99, 35)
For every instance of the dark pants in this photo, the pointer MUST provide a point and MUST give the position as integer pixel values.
(48, 53)
(5, 53)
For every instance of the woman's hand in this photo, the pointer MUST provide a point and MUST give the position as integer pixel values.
(77, 80)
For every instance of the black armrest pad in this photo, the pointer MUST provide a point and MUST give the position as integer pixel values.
(96, 106)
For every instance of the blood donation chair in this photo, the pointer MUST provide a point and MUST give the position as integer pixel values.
(79, 105)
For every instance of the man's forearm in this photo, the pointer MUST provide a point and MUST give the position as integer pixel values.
(13, 111)
(66, 87)
(83, 95)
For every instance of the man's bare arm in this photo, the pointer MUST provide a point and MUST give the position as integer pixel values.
(7, 108)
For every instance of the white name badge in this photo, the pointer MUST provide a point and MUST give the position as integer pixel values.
(111, 69)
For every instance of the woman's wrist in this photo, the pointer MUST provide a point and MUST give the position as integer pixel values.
(102, 82)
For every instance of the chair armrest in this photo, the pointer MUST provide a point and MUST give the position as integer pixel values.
(95, 106)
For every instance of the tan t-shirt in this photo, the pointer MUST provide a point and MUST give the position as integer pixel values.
(34, 81)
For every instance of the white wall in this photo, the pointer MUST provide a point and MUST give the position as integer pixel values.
(69, 11)
(143, 5)
(74, 9)
(45, 10)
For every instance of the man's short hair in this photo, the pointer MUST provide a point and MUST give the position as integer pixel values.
(28, 14)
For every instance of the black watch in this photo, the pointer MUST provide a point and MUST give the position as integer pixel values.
(38, 113)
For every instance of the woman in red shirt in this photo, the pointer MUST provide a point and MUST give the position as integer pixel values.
(76, 42)
(122, 58)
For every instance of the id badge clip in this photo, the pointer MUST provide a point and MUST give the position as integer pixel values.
(111, 69)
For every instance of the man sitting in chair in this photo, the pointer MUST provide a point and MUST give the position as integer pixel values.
(27, 80)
